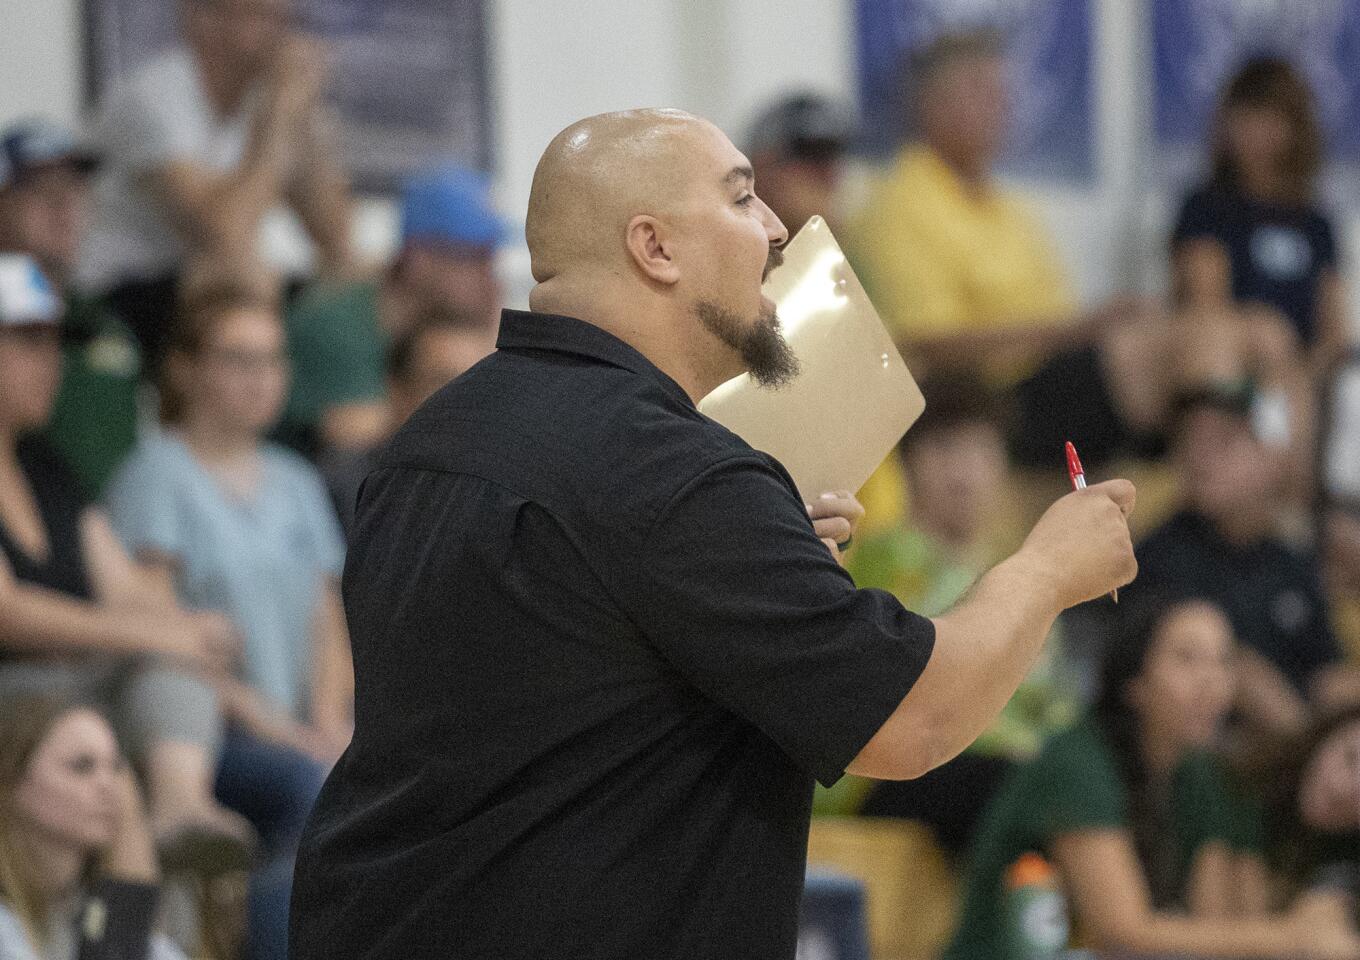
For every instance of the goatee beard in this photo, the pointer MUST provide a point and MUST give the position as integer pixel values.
(766, 354)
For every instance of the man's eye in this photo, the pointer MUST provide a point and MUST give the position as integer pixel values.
(745, 201)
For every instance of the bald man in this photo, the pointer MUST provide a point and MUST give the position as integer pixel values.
(601, 647)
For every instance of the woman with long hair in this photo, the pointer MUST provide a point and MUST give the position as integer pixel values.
(78, 873)
(1311, 787)
(1253, 237)
(1155, 845)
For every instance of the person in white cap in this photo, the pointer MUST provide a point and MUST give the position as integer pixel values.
(78, 618)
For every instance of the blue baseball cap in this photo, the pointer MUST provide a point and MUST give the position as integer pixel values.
(36, 143)
(26, 298)
(450, 206)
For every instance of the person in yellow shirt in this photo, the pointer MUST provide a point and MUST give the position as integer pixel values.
(966, 276)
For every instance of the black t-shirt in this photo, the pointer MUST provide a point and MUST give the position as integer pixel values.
(62, 505)
(1273, 595)
(600, 657)
(1277, 254)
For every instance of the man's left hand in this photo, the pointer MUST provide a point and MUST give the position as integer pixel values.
(834, 519)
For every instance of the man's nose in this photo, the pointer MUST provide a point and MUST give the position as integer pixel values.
(774, 227)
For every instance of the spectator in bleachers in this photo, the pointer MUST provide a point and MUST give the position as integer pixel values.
(1254, 235)
(1158, 848)
(240, 526)
(339, 336)
(966, 276)
(44, 213)
(1255, 259)
(439, 347)
(1312, 794)
(797, 148)
(1223, 544)
(954, 460)
(78, 871)
(78, 617)
(198, 145)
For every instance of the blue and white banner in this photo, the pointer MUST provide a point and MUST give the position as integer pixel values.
(1199, 44)
(1048, 59)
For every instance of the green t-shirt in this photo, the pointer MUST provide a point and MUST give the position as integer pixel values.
(926, 578)
(339, 355)
(94, 419)
(1073, 785)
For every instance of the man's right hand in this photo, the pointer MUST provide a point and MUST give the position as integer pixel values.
(1081, 544)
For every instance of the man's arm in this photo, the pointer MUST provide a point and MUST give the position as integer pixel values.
(1079, 550)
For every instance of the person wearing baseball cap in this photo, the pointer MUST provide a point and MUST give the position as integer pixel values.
(26, 298)
(45, 199)
(797, 146)
(450, 232)
(44, 178)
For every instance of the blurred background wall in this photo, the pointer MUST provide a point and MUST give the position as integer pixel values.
(551, 64)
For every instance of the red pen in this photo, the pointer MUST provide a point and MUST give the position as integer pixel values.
(1078, 477)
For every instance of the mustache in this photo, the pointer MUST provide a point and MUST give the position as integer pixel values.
(773, 262)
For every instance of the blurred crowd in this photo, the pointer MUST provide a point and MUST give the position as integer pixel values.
(183, 433)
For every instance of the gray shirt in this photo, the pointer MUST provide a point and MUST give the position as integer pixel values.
(262, 560)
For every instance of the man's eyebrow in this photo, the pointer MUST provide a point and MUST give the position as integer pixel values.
(737, 174)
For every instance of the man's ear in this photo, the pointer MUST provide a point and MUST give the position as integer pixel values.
(648, 245)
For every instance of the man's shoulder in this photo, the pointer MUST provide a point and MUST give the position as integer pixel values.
(591, 432)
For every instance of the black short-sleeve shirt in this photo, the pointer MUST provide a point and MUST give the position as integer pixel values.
(1277, 254)
(1272, 594)
(600, 657)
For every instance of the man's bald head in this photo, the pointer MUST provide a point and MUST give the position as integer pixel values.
(599, 173)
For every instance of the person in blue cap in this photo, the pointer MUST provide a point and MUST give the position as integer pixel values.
(339, 336)
(45, 175)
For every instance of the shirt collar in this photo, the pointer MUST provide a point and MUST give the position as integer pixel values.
(525, 330)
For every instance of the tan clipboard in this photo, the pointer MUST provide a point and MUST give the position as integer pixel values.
(853, 398)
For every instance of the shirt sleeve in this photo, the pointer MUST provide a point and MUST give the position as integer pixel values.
(1327, 256)
(1073, 786)
(150, 122)
(337, 353)
(1197, 219)
(142, 506)
(1226, 813)
(735, 590)
(1317, 646)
